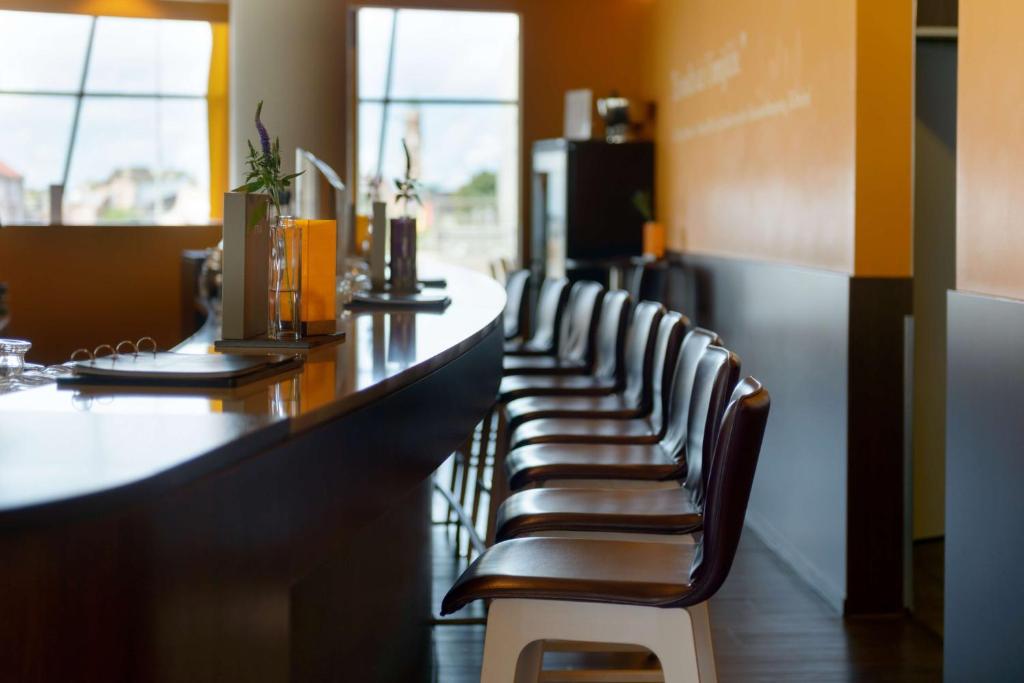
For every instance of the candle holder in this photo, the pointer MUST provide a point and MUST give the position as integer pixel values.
(403, 255)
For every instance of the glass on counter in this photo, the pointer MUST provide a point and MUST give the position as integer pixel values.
(16, 374)
(12, 356)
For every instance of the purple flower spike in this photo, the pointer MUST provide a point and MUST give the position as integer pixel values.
(262, 130)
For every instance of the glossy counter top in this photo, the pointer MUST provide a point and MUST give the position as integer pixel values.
(60, 446)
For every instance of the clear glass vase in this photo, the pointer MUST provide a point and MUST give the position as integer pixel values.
(285, 280)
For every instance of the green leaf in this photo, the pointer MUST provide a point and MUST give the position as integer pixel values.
(252, 186)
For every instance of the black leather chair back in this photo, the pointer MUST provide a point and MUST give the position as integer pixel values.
(515, 303)
(639, 354)
(667, 346)
(554, 295)
(612, 327)
(732, 474)
(679, 383)
(579, 323)
(717, 374)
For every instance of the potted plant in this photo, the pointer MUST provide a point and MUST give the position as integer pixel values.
(284, 265)
(654, 232)
(264, 174)
(403, 231)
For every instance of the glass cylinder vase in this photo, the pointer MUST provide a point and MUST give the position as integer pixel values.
(285, 280)
(403, 255)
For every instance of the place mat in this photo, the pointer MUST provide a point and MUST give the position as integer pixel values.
(263, 344)
(421, 284)
(415, 301)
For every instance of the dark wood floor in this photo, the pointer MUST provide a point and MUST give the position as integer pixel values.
(767, 625)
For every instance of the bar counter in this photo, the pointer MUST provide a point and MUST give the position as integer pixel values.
(279, 531)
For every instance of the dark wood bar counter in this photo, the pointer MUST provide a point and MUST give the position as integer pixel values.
(275, 532)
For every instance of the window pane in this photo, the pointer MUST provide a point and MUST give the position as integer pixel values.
(34, 134)
(374, 46)
(466, 158)
(185, 162)
(368, 151)
(42, 51)
(150, 56)
(456, 55)
(139, 160)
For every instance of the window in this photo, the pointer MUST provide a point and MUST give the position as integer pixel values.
(447, 82)
(112, 109)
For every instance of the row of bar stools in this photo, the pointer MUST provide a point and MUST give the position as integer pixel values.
(674, 470)
(598, 590)
(607, 462)
(671, 348)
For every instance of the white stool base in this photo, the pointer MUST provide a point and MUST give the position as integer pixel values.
(516, 629)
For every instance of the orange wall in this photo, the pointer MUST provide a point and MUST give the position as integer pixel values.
(885, 129)
(990, 149)
(82, 286)
(785, 130)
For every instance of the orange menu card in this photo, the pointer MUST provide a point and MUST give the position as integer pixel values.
(319, 268)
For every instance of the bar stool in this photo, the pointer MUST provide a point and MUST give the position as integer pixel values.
(609, 365)
(685, 453)
(515, 306)
(554, 294)
(618, 592)
(576, 332)
(635, 398)
(693, 413)
(645, 430)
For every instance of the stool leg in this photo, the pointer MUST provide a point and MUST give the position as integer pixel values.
(467, 455)
(457, 463)
(481, 466)
(499, 480)
(485, 434)
(451, 485)
(507, 658)
(702, 639)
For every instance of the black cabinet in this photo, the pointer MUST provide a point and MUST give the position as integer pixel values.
(583, 216)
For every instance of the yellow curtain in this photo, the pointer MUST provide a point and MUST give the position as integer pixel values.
(146, 9)
(217, 113)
